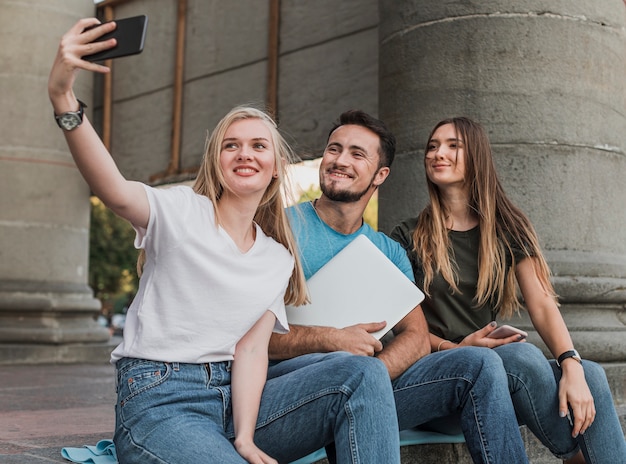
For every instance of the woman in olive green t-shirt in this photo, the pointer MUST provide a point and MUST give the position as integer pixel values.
(469, 248)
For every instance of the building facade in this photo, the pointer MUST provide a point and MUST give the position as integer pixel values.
(545, 77)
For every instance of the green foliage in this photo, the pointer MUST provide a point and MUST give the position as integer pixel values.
(370, 216)
(371, 212)
(112, 258)
(311, 194)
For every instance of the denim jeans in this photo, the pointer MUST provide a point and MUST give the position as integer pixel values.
(181, 413)
(534, 383)
(468, 382)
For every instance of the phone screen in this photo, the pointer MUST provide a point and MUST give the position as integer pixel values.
(130, 34)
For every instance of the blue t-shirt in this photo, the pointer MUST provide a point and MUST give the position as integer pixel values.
(318, 242)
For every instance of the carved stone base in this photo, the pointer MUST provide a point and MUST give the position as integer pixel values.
(69, 353)
(49, 313)
(598, 331)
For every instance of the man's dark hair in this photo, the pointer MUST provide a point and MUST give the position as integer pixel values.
(387, 149)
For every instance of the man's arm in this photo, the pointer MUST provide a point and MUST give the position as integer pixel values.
(411, 340)
(409, 344)
(356, 339)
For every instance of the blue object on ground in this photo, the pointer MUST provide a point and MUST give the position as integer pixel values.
(102, 453)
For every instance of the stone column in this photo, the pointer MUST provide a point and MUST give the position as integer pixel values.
(47, 310)
(546, 79)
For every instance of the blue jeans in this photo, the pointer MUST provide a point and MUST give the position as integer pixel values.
(181, 413)
(534, 383)
(468, 382)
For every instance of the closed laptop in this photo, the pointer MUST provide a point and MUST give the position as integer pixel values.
(358, 285)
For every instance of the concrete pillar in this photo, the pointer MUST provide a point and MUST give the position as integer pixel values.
(546, 79)
(46, 306)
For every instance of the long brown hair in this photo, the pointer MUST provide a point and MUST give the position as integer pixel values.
(270, 214)
(503, 227)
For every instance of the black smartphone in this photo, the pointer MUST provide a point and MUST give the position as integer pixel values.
(130, 34)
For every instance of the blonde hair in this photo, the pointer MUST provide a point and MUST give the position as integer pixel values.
(503, 227)
(270, 214)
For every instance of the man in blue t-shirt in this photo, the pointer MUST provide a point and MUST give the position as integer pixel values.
(469, 383)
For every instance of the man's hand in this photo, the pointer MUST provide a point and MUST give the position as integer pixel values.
(358, 339)
(410, 343)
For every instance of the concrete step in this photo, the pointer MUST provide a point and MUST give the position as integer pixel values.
(537, 453)
(456, 453)
(21, 354)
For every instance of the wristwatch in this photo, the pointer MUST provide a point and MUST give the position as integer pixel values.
(72, 119)
(569, 354)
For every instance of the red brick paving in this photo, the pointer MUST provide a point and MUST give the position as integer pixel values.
(45, 408)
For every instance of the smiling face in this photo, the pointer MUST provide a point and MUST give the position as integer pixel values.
(445, 157)
(247, 157)
(350, 165)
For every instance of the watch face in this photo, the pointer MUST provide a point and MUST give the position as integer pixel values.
(69, 121)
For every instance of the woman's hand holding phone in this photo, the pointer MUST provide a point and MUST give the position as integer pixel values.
(75, 43)
(88, 42)
(129, 35)
(506, 331)
(492, 337)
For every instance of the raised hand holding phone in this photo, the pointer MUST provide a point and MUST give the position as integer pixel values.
(130, 35)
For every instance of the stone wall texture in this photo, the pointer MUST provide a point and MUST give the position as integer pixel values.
(545, 77)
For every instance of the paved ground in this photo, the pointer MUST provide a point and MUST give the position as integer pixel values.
(44, 408)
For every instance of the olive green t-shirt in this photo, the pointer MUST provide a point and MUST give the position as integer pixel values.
(452, 314)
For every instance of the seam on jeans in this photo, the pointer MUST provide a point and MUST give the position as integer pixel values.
(593, 459)
(354, 449)
(307, 399)
(442, 379)
(551, 445)
(226, 406)
(137, 445)
(483, 441)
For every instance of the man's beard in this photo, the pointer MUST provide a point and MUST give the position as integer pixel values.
(344, 196)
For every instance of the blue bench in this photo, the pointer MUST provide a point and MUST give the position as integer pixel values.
(407, 437)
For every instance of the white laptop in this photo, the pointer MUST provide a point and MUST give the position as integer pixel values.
(359, 285)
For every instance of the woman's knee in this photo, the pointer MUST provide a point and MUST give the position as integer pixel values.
(522, 356)
(483, 362)
(520, 351)
(595, 377)
(526, 367)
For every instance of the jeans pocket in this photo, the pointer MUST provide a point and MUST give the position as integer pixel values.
(138, 376)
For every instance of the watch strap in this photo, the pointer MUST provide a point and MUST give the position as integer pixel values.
(568, 354)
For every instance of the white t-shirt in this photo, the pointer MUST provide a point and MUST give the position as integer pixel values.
(199, 294)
